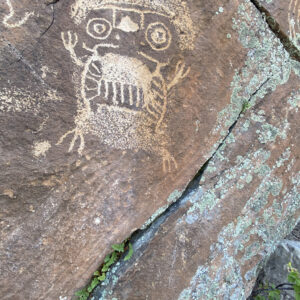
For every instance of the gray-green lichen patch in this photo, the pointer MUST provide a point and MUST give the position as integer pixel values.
(255, 232)
(296, 67)
(294, 100)
(226, 260)
(238, 176)
(269, 133)
(267, 66)
(269, 212)
(171, 199)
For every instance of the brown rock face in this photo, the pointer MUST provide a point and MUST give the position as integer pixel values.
(287, 14)
(108, 110)
(210, 246)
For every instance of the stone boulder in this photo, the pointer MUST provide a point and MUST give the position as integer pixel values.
(108, 110)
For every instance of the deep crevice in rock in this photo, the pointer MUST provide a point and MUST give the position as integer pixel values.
(275, 27)
(141, 238)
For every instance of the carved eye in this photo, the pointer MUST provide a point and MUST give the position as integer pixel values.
(99, 28)
(158, 36)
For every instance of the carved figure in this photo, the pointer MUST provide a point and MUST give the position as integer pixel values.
(7, 21)
(125, 74)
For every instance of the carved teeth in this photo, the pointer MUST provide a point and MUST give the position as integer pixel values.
(120, 94)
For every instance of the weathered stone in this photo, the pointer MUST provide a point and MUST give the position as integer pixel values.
(295, 234)
(94, 142)
(211, 247)
(210, 244)
(276, 271)
(287, 14)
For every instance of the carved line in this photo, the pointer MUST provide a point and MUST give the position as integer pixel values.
(95, 36)
(294, 17)
(151, 43)
(10, 15)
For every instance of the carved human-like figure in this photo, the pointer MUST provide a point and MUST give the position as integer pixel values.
(125, 76)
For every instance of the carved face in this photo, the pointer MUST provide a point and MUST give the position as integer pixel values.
(131, 32)
(129, 49)
(131, 62)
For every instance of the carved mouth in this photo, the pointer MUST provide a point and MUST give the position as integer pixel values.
(114, 93)
(117, 80)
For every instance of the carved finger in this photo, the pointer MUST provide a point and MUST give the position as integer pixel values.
(63, 38)
(180, 69)
(186, 72)
(75, 39)
(178, 66)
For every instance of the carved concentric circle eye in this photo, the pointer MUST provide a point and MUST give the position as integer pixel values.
(158, 36)
(99, 28)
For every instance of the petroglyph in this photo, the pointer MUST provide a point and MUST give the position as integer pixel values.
(6, 21)
(294, 19)
(177, 11)
(40, 148)
(46, 70)
(19, 100)
(121, 88)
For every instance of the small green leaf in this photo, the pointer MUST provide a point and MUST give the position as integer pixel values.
(93, 284)
(82, 294)
(105, 268)
(107, 258)
(272, 285)
(112, 259)
(246, 106)
(114, 256)
(296, 289)
(274, 295)
(259, 297)
(118, 247)
(102, 277)
(130, 252)
(292, 277)
(97, 273)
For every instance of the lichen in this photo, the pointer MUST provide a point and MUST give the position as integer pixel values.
(171, 199)
(258, 229)
(267, 62)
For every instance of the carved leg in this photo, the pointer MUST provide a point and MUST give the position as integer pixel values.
(169, 162)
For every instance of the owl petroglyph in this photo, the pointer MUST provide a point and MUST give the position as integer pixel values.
(126, 74)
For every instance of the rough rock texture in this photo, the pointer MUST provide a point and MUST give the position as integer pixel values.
(209, 245)
(108, 110)
(275, 270)
(295, 234)
(287, 14)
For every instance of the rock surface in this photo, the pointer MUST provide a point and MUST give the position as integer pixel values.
(287, 14)
(210, 244)
(295, 234)
(275, 270)
(108, 110)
